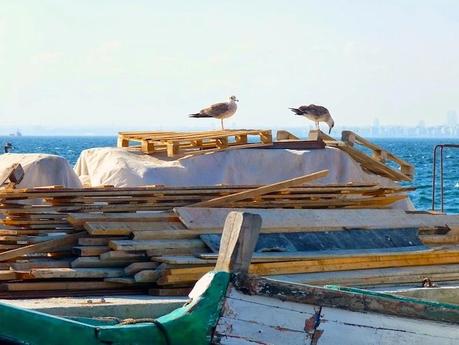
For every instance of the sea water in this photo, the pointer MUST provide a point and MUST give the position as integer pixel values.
(416, 151)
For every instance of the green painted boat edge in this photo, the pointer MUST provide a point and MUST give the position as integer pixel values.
(394, 297)
(192, 323)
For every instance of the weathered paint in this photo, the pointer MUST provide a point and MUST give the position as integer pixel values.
(349, 300)
(192, 323)
(252, 319)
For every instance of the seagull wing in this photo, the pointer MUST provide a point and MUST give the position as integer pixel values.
(314, 109)
(216, 109)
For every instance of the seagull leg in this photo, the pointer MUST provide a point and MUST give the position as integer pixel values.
(317, 126)
(221, 120)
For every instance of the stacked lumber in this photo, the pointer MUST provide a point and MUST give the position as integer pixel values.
(44, 207)
(175, 143)
(164, 252)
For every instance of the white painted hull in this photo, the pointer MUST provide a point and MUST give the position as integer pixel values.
(250, 319)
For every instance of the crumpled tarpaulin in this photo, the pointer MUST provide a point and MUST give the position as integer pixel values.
(42, 170)
(121, 167)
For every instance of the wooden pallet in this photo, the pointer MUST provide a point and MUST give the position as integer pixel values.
(376, 163)
(174, 143)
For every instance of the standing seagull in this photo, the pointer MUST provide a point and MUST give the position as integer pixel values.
(315, 113)
(219, 110)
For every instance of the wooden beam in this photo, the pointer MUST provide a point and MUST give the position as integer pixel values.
(262, 190)
(158, 245)
(239, 238)
(316, 220)
(42, 247)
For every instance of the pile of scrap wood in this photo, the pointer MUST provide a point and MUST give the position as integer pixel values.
(166, 252)
(44, 206)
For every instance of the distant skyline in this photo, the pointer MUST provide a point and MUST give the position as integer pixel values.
(97, 67)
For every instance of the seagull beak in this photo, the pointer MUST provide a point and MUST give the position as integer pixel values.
(236, 100)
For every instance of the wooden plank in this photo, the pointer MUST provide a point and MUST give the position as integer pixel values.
(384, 239)
(90, 250)
(184, 260)
(173, 275)
(78, 219)
(167, 234)
(351, 301)
(372, 277)
(7, 275)
(42, 246)
(69, 285)
(122, 255)
(121, 280)
(262, 190)
(169, 292)
(30, 264)
(316, 220)
(177, 251)
(97, 241)
(304, 255)
(238, 242)
(147, 276)
(95, 262)
(157, 245)
(125, 228)
(74, 273)
(139, 266)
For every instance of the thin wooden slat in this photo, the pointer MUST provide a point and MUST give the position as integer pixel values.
(42, 246)
(7, 275)
(263, 190)
(139, 266)
(95, 262)
(90, 250)
(310, 220)
(66, 273)
(122, 255)
(131, 245)
(70, 285)
(173, 275)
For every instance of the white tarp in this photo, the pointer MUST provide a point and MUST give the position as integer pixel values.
(42, 169)
(120, 167)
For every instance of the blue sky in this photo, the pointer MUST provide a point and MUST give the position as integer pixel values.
(102, 66)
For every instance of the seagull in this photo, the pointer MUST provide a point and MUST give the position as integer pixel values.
(315, 113)
(219, 110)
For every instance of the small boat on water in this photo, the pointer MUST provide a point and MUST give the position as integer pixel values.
(228, 306)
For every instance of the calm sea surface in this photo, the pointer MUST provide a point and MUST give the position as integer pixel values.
(416, 151)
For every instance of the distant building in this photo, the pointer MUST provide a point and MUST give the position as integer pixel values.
(451, 118)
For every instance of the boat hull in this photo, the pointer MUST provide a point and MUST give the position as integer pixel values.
(252, 319)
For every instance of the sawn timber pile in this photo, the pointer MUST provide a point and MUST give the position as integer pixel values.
(163, 252)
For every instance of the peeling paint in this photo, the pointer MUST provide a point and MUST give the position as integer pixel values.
(311, 324)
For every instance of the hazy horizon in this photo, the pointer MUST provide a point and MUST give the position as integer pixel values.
(118, 65)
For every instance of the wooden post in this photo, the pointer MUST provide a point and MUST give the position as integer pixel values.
(122, 142)
(148, 146)
(172, 148)
(240, 235)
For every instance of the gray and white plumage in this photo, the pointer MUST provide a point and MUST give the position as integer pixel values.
(219, 110)
(315, 113)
